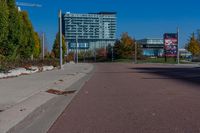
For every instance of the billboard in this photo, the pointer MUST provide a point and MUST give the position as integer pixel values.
(171, 44)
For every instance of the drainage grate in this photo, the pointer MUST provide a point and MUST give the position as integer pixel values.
(59, 92)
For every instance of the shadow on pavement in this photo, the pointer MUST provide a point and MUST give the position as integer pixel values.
(190, 75)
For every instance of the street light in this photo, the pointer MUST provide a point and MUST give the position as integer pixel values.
(112, 53)
(178, 54)
(77, 46)
(135, 52)
(60, 31)
(43, 46)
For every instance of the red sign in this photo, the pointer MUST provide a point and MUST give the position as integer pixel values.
(171, 44)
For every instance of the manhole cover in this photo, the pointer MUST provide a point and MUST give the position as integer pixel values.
(59, 92)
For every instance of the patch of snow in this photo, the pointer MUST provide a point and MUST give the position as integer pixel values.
(47, 68)
(2, 75)
(33, 69)
(19, 71)
(72, 62)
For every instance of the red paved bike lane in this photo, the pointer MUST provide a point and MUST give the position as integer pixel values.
(119, 99)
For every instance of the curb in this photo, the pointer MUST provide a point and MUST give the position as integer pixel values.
(38, 113)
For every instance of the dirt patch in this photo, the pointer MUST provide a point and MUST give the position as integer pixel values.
(59, 92)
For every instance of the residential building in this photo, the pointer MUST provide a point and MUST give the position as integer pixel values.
(89, 31)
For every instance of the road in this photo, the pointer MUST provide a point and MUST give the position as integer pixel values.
(128, 98)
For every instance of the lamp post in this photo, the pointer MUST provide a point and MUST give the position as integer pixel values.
(43, 46)
(135, 52)
(77, 49)
(178, 54)
(60, 31)
(112, 53)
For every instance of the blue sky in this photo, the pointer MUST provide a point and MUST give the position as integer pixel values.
(140, 18)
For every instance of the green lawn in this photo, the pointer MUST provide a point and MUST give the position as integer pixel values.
(151, 60)
(158, 60)
(124, 60)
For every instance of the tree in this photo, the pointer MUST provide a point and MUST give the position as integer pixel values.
(56, 46)
(109, 52)
(11, 3)
(118, 49)
(193, 46)
(14, 30)
(101, 52)
(17, 39)
(37, 46)
(124, 48)
(4, 14)
(27, 43)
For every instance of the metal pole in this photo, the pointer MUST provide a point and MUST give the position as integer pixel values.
(112, 54)
(178, 54)
(60, 30)
(67, 48)
(135, 52)
(43, 45)
(85, 52)
(95, 55)
(76, 49)
(74, 53)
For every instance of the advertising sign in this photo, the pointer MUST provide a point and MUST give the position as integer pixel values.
(171, 44)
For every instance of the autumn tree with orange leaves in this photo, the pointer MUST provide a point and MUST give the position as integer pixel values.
(124, 48)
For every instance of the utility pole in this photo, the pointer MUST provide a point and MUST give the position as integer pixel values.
(85, 52)
(178, 54)
(112, 54)
(60, 31)
(74, 53)
(43, 46)
(77, 49)
(95, 57)
(135, 52)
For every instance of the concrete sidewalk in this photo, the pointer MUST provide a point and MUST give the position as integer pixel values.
(22, 95)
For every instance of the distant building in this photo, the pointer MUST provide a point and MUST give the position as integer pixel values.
(184, 53)
(91, 31)
(152, 47)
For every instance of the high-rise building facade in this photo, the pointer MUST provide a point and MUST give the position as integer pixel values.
(89, 31)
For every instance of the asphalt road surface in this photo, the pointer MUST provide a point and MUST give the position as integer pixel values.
(128, 98)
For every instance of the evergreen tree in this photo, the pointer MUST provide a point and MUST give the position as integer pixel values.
(37, 46)
(17, 38)
(56, 46)
(193, 46)
(117, 49)
(11, 4)
(4, 14)
(26, 47)
(15, 29)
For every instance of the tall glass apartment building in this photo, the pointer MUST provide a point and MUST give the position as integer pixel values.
(90, 31)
